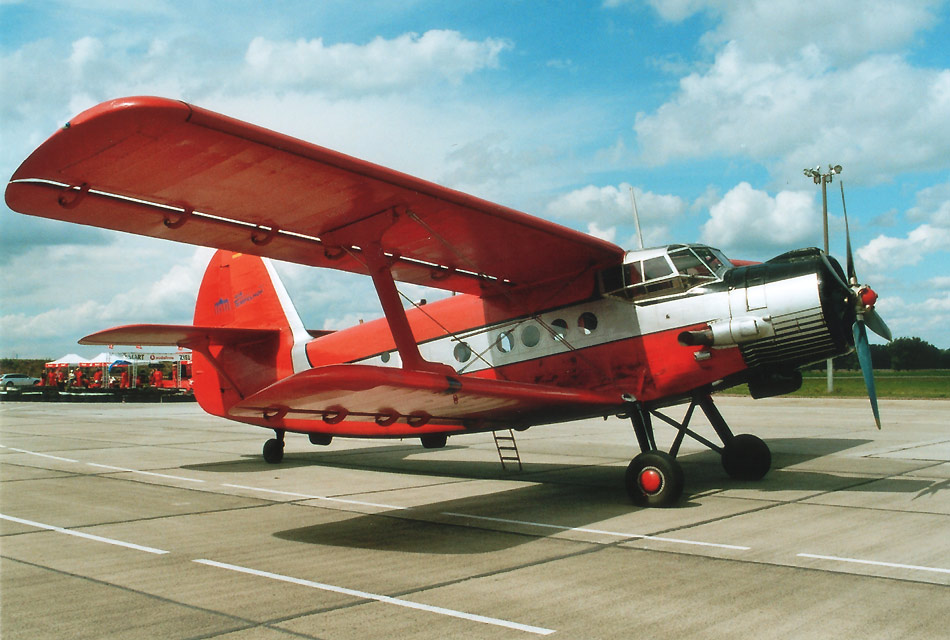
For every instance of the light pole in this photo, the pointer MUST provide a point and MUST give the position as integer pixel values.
(824, 179)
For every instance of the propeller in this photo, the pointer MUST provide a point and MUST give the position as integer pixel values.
(865, 315)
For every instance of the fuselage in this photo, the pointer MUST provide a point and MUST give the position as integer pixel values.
(627, 336)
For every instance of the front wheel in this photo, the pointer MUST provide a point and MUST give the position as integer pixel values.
(746, 457)
(654, 479)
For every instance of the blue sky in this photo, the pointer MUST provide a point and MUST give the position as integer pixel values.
(710, 110)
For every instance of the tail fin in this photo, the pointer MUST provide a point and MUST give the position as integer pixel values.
(241, 291)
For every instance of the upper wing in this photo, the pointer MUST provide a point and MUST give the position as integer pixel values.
(166, 169)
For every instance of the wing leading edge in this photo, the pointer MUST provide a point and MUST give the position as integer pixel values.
(166, 169)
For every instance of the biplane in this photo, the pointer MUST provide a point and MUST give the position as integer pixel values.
(545, 324)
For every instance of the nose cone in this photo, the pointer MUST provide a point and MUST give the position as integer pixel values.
(804, 294)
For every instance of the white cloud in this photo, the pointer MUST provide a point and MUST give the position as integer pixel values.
(750, 219)
(611, 205)
(877, 117)
(777, 28)
(381, 65)
(886, 252)
(932, 205)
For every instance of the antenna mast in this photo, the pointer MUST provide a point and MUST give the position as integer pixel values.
(636, 217)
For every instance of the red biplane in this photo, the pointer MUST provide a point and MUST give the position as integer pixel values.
(550, 324)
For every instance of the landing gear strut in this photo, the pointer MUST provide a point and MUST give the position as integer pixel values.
(655, 478)
(274, 448)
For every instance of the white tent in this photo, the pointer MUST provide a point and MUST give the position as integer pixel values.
(69, 360)
(104, 359)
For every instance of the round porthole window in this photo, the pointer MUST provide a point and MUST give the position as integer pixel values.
(386, 357)
(462, 352)
(530, 336)
(560, 328)
(505, 342)
(587, 323)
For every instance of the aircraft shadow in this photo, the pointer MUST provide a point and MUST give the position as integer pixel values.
(568, 495)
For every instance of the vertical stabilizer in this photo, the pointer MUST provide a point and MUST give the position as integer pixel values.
(242, 291)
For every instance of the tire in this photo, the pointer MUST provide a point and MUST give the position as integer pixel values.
(320, 439)
(273, 451)
(746, 457)
(654, 479)
(434, 441)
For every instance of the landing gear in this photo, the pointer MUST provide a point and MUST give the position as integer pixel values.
(434, 440)
(274, 448)
(655, 478)
(746, 457)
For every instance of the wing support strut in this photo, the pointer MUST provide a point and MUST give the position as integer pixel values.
(379, 263)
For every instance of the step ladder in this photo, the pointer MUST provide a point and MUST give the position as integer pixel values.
(507, 449)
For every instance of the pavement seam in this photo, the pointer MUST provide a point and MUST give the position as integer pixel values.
(248, 624)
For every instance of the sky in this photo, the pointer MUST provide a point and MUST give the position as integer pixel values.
(710, 110)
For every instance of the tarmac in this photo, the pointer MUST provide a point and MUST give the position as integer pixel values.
(132, 521)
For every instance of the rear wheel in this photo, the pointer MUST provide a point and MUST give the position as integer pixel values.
(654, 479)
(746, 457)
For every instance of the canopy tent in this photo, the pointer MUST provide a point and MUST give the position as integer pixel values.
(69, 360)
(106, 359)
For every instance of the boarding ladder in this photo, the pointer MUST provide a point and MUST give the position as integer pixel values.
(507, 449)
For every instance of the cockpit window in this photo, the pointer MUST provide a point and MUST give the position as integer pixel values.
(714, 259)
(688, 264)
(676, 270)
(656, 268)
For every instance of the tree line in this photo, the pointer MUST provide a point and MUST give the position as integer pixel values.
(902, 354)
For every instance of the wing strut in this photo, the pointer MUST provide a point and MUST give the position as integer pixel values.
(379, 263)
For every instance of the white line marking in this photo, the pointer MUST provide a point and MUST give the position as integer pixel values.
(378, 598)
(42, 455)
(892, 565)
(80, 534)
(600, 531)
(144, 473)
(311, 497)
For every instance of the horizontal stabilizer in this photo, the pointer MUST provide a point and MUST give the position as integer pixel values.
(387, 395)
(178, 335)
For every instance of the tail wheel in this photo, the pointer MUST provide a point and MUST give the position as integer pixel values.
(654, 479)
(746, 457)
(273, 451)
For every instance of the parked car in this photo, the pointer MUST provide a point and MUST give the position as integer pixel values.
(10, 381)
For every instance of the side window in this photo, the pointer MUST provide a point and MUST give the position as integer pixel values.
(560, 328)
(587, 323)
(530, 336)
(505, 342)
(386, 357)
(462, 352)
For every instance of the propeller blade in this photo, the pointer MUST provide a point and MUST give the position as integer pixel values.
(864, 359)
(876, 324)
(852, 276)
